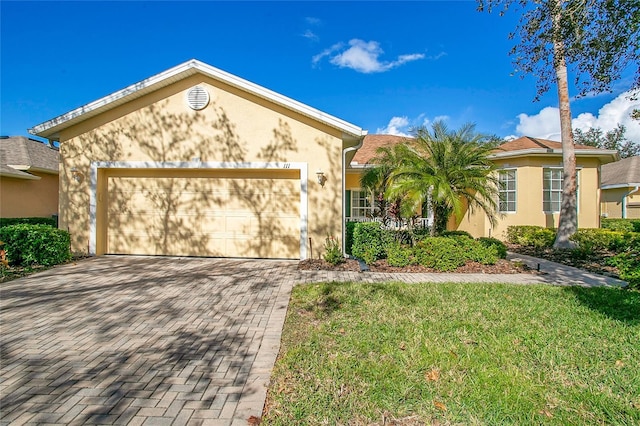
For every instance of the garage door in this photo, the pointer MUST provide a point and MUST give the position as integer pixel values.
(221, 214)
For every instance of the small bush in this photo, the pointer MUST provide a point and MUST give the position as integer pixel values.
(590, 239)
(621, 225)
(441, 253)
(628, 263)
(27, 244)
(368, 243)
(333, 251)
(8, 221)
(348, 237)
(399, 255)
(531, 236)
(456, 233)
(501, 248)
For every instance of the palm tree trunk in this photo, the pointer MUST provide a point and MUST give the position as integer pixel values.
(568, 222)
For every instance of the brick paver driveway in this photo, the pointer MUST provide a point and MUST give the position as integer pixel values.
(141, 340)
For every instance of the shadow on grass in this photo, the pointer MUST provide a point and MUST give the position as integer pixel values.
(617, 304)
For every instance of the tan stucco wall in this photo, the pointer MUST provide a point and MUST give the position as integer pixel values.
(29, 198)
(612, 203)
(529, 209)
(234, 127)
(529, 197)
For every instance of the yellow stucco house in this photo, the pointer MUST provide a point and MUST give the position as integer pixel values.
(620, 189)
(28, 178)
(531, 172)
(195, 161)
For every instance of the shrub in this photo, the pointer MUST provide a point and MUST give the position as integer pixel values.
(590, 239)
(621, 225)
(8, 221)
(348, 237)
(532, 236)
(27, 244)
(333, 251)
(501, 248)
(487, 255)
(441, 253)
(368, 243)
(456, 233)
(399, 255)
(628, 263)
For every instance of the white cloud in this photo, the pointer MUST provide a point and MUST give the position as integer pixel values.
(326, 52)
(398, 126)
(546, 124)
(312, 21)
(403, 126)
(310, 35)
(363, 57)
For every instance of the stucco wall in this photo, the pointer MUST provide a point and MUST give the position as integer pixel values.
(529, 191)
(234, 127)
(29, 198)
(529, 209)
(612, 203)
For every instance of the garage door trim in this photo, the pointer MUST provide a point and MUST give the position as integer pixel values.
(96, 165)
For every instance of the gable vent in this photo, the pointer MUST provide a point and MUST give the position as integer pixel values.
(197, 98)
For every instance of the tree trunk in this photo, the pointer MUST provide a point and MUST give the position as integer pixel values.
(568, 223)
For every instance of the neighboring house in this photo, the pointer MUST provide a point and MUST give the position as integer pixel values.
(198, 162)
(531, 170)
(28, 178)
(620, 189)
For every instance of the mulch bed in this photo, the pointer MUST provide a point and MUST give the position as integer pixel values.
(595, 262)
(501, 267)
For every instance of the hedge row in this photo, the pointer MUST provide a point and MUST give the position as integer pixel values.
(26, 244)
(401, 248)
(7, 221)
(624, 245)
(622, 225)
(587, 239)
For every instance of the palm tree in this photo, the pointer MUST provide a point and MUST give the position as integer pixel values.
(376, 180)
(446, 170)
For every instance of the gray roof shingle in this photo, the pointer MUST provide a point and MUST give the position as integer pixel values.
(625, 171)
(23, 154)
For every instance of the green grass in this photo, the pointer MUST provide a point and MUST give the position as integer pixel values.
(458, 354)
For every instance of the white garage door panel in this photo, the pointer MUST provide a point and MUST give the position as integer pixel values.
(183, 216)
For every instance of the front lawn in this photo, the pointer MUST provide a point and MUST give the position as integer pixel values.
(457, 354)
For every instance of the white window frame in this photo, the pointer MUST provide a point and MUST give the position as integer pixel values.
(503, 190)
(358, 211)
(560, 190)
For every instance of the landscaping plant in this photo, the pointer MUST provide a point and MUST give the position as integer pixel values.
(35, 244)
(333, 251)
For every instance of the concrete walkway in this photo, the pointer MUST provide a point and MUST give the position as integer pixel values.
(156, 340)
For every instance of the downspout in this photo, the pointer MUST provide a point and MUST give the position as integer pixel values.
(344, 188)
(624, 201)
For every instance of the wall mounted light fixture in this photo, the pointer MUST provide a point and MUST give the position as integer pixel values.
(77, 175)
(322, 179)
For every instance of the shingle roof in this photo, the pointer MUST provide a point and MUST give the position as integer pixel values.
(527, 142)
(524, 145)
(371, 144)
(23, 154)
(623, 172)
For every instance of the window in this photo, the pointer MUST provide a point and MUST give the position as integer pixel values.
(551, 190)
(507, 191)
(361, 205)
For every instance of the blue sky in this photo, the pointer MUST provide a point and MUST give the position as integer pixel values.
(384, 66)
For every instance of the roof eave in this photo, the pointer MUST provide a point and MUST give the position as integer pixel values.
(604, 155)
(19, 175)
(51, 129)
(620, 185)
